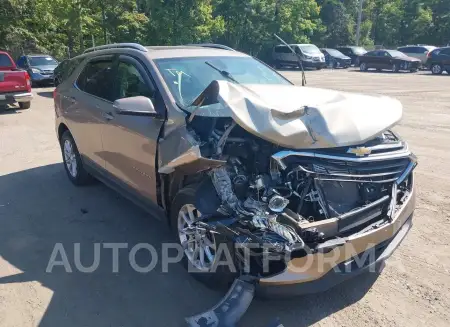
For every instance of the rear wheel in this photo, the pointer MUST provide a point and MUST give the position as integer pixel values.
(25, 105)
(72, 161)
(202, 249)
(436, 69)
(414, 70)
(363, 67)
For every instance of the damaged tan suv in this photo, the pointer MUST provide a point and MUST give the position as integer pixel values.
(304, 187)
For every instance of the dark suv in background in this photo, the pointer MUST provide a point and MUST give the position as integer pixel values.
(439, 60)
(353, 52)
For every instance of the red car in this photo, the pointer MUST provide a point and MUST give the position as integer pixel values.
(15, 84)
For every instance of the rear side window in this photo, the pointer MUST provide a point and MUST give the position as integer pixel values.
(445, 52)
(5, 61)
(96, 79)
(70, 67)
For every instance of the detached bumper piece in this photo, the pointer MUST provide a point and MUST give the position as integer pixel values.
(229, 310)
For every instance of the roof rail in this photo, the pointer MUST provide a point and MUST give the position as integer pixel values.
(116, 46)
(211, 45)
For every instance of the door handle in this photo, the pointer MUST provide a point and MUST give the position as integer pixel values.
(108, 116)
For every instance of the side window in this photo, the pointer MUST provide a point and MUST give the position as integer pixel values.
(371, 54)
(403, 50)
(96, 79)
(384, 54)
(131, 83)
(445, 52)
(5, 61)
(70, 67)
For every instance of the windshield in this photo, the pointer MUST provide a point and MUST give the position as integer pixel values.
(42, 61)
(396, 53)
(359, 51)
(188, 77)
(309, 48)
(334, 52)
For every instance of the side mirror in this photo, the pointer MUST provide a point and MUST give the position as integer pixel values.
(135, 106)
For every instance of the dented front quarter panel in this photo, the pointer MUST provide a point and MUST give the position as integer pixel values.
(179, 150)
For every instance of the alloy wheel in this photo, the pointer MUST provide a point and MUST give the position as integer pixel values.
(199, 244)
(436, 69)
(70, 158)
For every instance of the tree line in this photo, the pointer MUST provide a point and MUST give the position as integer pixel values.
(66, 27)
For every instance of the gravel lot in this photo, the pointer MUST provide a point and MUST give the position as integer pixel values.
(39, 208)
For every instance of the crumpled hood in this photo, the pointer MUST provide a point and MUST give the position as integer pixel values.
(305, 117)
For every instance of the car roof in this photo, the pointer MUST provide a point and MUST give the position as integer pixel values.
(160, 52)
(38, 55)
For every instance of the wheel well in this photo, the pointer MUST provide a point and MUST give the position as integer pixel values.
(61, 129)
(174, 182)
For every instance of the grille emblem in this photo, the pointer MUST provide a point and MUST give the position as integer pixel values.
(360, 151)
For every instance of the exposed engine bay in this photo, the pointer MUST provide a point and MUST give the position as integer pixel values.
(287, 200)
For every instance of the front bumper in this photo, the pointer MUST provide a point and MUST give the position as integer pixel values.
(361, 253)
(10, 98)
(38, 77)
(314, 64)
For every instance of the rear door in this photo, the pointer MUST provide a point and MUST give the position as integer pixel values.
(370, 58)
(87, 104)
(130, 142)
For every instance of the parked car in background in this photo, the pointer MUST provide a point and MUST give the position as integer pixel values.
(310, 55)
(392, 60)
(15, 85)
(418, 51)
(336, 59)
(439, 60)
(40, 67)
(353, 52)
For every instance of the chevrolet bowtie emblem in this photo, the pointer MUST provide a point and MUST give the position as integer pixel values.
(360, 151)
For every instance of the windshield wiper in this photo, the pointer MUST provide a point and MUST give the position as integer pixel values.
(224, 73)
(298, 58)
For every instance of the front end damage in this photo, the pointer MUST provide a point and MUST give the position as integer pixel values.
(309, 210)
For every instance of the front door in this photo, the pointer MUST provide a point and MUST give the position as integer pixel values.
(130, 142)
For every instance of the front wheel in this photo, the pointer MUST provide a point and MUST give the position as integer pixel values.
(203, 250)
(25, 105)
(72, 161)
(394, 68)
(436, 69)
(363, 67)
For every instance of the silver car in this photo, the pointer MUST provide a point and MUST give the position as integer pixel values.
(245, 165)
(418, 51)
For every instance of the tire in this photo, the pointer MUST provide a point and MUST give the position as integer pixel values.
(223, 276)
(394, 68)
(363, 67)
(436, 69)
(318, 68)
(77, 175)
(413, 70)
(378, 70)
(25, 105)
